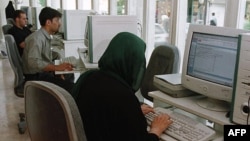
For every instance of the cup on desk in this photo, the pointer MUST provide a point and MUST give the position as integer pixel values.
(57, 62)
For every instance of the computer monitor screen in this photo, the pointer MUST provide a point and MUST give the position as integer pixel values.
(209, 64)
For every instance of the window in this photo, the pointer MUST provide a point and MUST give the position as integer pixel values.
(162, 21)
(55, 4)
(206, 12)
(104, 7)
(246, 21)
(122, 7)
(40, 3)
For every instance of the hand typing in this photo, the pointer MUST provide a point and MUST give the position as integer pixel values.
(64, 67)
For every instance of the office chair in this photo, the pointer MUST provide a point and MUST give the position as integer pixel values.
(16, 64)
(51, 113)
(6, 28)
(10, 21)
(164, 60)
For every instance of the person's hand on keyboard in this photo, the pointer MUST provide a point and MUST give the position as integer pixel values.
(160, 123)
(64, 67)
(146, 109)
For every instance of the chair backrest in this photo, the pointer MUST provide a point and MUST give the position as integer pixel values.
(15, 59)
(10, 21)
(6, 28)
(164, 60)
(51, 113)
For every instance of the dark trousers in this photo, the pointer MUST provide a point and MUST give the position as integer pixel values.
(67, 84)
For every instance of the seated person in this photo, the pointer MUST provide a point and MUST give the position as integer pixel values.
(19, 30)
(37, 55)
(106, 98)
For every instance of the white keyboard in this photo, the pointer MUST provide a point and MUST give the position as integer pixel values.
(71, 59)
(183, 127)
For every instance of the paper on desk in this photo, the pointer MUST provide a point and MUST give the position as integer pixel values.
(174, 79)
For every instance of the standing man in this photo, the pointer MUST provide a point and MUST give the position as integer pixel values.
(213, 20)
(19, 30)
(37, 55)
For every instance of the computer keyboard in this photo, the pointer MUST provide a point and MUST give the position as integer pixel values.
(71, 59)
(183, 127)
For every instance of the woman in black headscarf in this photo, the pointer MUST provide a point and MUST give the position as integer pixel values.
(106, 97)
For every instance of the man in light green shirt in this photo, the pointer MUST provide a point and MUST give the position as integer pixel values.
(37, 55)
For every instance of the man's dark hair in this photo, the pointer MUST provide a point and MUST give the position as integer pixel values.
(17, 14)
(48, 13)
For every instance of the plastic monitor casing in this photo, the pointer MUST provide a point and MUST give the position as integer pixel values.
(210, 89)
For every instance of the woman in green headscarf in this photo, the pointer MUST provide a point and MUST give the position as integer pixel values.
(106, 97)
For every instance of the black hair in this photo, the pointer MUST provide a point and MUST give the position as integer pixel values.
(17, 14)
(48, 13)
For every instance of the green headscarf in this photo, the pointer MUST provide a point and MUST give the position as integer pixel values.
(124, 59)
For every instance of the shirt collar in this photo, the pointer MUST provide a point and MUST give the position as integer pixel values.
(17, 27)
(45, 33)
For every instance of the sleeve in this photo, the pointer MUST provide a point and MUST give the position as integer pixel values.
(35, 60)
(135, 122)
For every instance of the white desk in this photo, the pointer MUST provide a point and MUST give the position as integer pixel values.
(188, 104)
(84, 64)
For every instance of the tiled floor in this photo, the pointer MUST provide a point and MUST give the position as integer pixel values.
(10, 106)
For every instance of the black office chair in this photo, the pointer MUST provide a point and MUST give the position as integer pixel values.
(164, 60)
(51, 113)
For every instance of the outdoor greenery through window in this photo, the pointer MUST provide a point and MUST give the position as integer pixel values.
(42, 3)
(121, 7)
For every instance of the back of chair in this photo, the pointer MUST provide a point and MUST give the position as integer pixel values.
(51, 113)
(164, 60)
(6, 28)
(15, 59)
(10, 21)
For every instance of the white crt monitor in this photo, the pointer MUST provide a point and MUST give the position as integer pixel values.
(209, 64)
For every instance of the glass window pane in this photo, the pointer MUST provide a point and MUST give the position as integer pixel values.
(104, 7)
(122, 7)
(56, 4)
(246, 21)
(162, 21)
(25, 3)
(207, 12)
(69, 4)
(196, 11)
(87, 4)
(40, 3)
(218, 8)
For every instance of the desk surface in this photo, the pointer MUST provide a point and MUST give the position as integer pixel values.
(189, 104)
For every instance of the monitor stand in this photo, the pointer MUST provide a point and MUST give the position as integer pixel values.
(214, 104)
